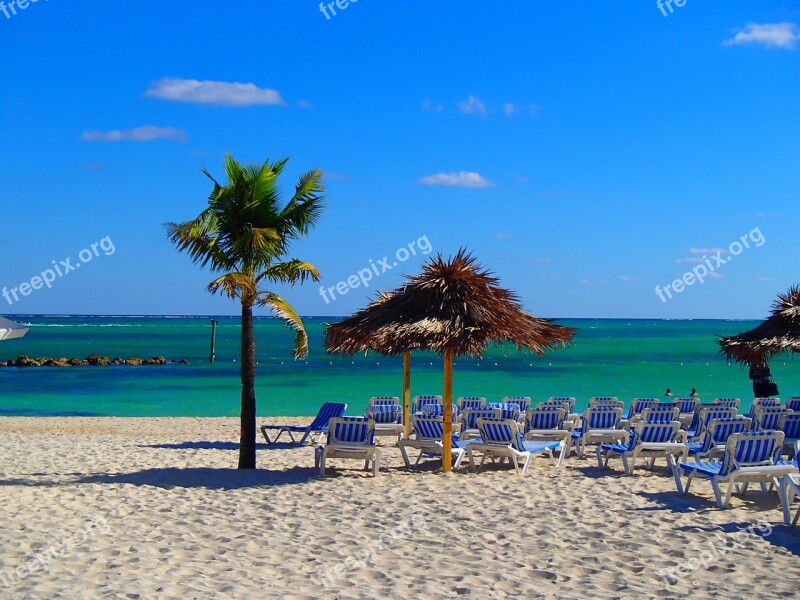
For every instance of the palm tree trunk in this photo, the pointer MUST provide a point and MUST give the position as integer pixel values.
(247, 443)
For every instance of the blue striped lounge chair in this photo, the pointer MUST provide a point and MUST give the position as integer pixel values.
(688, 409)
(428, 440)
(793, 403)
(665, 412)
(501, 438)
(789, 487)
(569, 405)
(318, 426)
(789, 424)
(524, 402)
(752, 456)
(352, 438)
(767, 417)
(508, 410)
(704, 416)
(466, 402)
(419, 402)
(728, 402)
(638, 405)
(469, 421)
(648, 441)
(548, 423)
(569, 400)
(599, 425)
(388, 419)
(716, 434)
(384, 401)
(605, 401)
(437, 410)
(759, 402)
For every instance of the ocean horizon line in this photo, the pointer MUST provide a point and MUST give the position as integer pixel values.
(19, 316)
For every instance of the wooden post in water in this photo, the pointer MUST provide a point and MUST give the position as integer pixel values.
(213, 340)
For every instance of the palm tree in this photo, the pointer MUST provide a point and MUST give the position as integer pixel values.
(244, 236)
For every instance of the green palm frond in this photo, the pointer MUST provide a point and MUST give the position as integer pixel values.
(291, 272)
(284, 310)
(234, 285)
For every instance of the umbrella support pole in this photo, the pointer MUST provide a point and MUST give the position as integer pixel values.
(407, 393)
(447, 462)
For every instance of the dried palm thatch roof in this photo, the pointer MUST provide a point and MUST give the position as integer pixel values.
(452, 305)
(779, 333)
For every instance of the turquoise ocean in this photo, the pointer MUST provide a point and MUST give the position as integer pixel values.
(610, 357)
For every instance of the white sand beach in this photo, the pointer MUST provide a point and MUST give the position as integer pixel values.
(153, 508)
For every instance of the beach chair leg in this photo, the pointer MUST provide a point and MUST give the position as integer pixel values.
(626, 465)
(528, 461)
(277, 437)
(323, 456)
(676, 474)
(514, 462)
(304, 438)
(419, 458)
(459, 457)
(764, 487)
(600, 459)
(404, 452)
(688, 483)
(727, 502)
(471, 457)
(266, 436)
(376, 460)
(783, 494)
(562, 453)
(744, 488)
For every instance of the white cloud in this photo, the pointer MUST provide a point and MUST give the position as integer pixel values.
(140, 134)
(434, 107)
(513, 109)
(305, 104)
(468, 179)
(708, 251)
(771, 35)
(690, 261)
(503, 236)
(628, 278)
(473, 106)
(220, 93)
(715, 275)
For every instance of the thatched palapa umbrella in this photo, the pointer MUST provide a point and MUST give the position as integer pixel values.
(778, 334)
(454, 308)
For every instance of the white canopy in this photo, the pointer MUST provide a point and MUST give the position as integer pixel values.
(10, 330)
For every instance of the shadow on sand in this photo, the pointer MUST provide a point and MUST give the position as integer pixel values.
(171, 477)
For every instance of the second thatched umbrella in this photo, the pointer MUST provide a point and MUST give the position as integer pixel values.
(778, 334)
(454, 308)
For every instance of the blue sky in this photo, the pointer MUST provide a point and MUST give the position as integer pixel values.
(584, 154)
